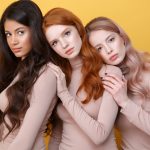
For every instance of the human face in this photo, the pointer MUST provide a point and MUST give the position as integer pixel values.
(64, 40)
(110, 46)
(18, 38)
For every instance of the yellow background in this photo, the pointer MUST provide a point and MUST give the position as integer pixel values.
(132, 15)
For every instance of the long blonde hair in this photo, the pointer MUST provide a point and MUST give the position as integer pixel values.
(134, 62)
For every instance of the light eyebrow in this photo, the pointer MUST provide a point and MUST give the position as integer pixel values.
(97, 45)
(105, 40)
(65, 30)
(60, 34)
(109, 36)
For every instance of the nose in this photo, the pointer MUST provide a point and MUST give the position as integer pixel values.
(14, 40)
(108, 49)
(64, 43)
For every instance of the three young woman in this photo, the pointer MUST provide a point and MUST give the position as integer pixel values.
(87, 111)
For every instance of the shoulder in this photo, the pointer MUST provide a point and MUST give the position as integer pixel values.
(47, 71)
(110, 69)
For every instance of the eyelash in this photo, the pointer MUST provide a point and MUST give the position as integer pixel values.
(67, 33)
(111, 39)
(7, 34)
(54, 44)
(99, 48)
(20, 32)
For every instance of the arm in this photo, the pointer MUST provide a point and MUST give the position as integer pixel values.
(134, 113)
(97, 130)
(56, 135)
(137, 116)
(43, 93)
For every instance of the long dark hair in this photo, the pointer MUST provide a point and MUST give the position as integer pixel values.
(27, 13)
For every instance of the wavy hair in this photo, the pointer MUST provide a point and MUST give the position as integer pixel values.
(134, 63)
(27, 13)
(92, 63)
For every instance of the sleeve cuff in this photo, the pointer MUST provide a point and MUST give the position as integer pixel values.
(130, 110)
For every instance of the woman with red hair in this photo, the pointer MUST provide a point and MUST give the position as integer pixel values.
(87, 111)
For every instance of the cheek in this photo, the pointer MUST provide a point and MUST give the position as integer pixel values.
(103, 56)
(8, 42)
(58, 50)
(28, 44)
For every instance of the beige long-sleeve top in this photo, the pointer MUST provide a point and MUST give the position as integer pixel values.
(85, 126)
(30, 134)
(134, 124)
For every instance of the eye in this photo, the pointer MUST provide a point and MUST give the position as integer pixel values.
(54, 43)
(7, 34)
(20, 32)
(99, 48)
(67, 33)
(111, 39)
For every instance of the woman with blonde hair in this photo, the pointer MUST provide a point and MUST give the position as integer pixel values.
(132, 93)
(87, 111)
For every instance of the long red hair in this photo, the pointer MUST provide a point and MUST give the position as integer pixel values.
(92, 62)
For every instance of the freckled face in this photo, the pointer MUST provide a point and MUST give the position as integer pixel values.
(110, 46)
(64, 40)
(18, 38)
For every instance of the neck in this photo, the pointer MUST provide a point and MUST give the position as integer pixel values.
(75, 61)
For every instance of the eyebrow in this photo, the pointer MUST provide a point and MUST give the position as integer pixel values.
(16, 29)
(68, 28)
(105, 39)
(109, 36)
(60, 34)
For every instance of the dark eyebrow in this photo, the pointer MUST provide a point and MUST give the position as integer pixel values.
(16, 29)
(19, 28)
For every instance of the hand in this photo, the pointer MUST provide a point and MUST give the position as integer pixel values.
(117, 87)
(61, 80)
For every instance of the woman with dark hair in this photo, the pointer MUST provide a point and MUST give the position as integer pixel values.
(27, 84)
(133, 97)
(87, 111)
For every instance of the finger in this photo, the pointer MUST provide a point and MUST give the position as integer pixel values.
(111, 79)
(107, 88)
(115, 79)
(109, 84)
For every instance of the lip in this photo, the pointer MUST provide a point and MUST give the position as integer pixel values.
(113, 57)
(16, 50)
(69, 51)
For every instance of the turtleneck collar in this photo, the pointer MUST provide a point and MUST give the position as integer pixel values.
(76, 62)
